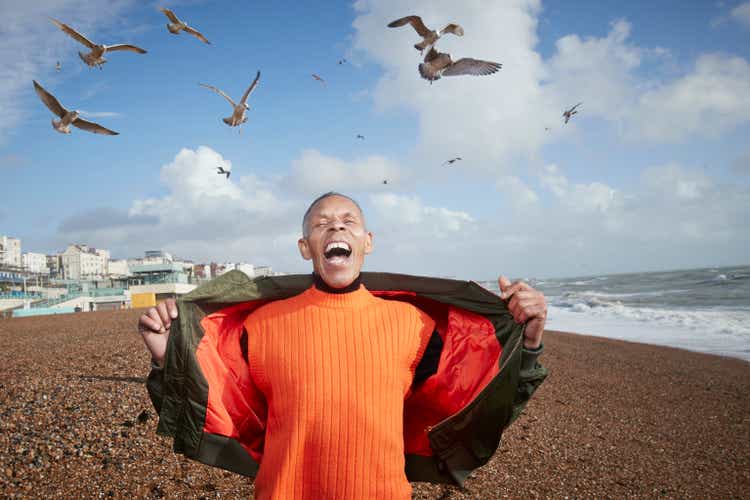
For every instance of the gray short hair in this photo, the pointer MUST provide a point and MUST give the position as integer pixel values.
(305, 231)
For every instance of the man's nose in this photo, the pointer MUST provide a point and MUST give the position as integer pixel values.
(337, 226)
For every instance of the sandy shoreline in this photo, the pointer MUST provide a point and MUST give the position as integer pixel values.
(614, 419)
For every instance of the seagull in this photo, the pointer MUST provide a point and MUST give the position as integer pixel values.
(58, 66)
(68, 118)
(342, 61)
(437, 64)
(385, 181)
(176, 26)
(227, 172)
(568, 113)
(546, 128)
(239, 109)
(360, 136)
(96, 56)
(429, 37)
(318, 78)
(452, 160)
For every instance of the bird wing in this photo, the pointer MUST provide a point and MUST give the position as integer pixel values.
(318, 78)
(468, 66)
(93, 127)
(49, 100)
(73, 33)
(454, 29)
(197, 34)
(218, 91)
(574, 107)
(416, 23)
(171, 15)
(125, 46)
(250, 88)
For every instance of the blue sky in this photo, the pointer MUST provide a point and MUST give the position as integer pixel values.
(652, 174)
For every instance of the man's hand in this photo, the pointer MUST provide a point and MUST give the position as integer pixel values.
(154, 328)
(527, 305)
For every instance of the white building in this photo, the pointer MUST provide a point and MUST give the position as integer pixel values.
(246, 268)
(80, 261)
(263, 271)
(35, 262)
(10, 251)
(118, 267)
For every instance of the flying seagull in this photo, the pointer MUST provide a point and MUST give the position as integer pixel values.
(568, 113)
(429, 37)
(385, 181)
(342, 61)
(221, 170)
(452, 160)
(239, 109)
(96, 56)
(68, 118)
(360, 136)
(176, 26)
(316, 77)
(58, 66)
(437, 64)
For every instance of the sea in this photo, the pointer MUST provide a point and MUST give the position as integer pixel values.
(704, 310)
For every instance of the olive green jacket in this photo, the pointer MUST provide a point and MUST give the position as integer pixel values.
(205, 351)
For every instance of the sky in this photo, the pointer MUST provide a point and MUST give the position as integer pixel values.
(653, 172)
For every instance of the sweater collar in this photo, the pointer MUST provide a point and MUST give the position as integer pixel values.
(354, 296)
(325, 287)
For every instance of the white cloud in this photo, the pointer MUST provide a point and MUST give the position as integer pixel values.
(315, 173)
(592, 197)
(498, 117)
(675, 181)
(741, 13)
(714, 98)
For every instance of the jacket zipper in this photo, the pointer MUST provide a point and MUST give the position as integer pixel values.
(430, 428)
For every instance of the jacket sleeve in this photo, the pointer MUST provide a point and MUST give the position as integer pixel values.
(531, 377)
(155, 386)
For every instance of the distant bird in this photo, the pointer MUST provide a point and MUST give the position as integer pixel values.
(385, 181)
(176, 26)
(239, 109)
(220, 170)
(67, 118)
(360, 136)
(429, 37)
(58, 66)
(452, 160)
(96, 56)
(546, 128)
(437, 64)
(342, 61)
(316, 77)
(568, 113)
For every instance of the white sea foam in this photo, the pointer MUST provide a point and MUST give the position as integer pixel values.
(712, 331)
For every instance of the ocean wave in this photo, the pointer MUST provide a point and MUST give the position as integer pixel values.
(724, 332)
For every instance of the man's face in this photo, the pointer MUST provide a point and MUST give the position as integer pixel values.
(337, 240)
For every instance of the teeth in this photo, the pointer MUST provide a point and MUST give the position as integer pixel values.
(338, 244)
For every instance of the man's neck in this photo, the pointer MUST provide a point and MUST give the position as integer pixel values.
(325, 287)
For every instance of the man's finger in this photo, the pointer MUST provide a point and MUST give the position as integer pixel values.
(147, 323)
(161, 307)
(154, 315)
(172, 308)
(503, 283)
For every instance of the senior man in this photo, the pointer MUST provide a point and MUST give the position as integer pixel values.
(339, 392)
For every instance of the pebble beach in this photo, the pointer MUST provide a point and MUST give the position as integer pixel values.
(614, 419)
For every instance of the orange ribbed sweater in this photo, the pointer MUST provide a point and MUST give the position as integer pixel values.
(335, 369)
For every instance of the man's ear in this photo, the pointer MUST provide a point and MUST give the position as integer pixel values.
(304, 248)
(368, 243)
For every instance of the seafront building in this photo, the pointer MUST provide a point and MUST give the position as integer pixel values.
(83, 278)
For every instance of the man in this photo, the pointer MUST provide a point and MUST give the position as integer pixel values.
(338, 383)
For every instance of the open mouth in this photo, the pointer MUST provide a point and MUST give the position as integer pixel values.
(337, 252)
